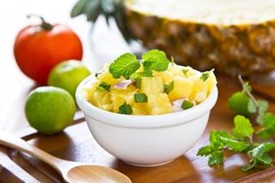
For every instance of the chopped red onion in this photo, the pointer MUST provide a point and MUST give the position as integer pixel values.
(123, 84)
(178, 103)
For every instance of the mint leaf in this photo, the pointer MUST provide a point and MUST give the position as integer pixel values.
(243, 127)
(265, 134)
(259, 151)
(235, 145)
(104, 86)
(249, 166)
(169, 87)
(186, 105)
(140, 98)
(269, 120)
(125, 66)
(147, 70)
(252, 107)
(215, 158)
(125, 109)
(259, 156)
(268, 131)
(214, 139)
(205, 151)
(157, 59)
(262, 108)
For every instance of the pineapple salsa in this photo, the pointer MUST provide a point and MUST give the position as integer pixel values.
(152, 85)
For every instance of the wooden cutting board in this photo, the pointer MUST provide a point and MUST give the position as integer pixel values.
(76, 143)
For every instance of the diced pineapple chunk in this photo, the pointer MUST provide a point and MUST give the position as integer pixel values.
(140, 108)
(102, 99)
(107, 77)
(211, 82)
(188, 71)
(199, 87)
(166, 76)
(202, 88)
(200, 96)
(176, 71)
(182, 88)
(151, 85)
(158, 103)
(120, 96)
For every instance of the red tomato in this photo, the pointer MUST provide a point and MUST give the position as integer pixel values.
(38, 48)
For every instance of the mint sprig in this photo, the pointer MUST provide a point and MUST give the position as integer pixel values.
(242, 139)
(239, 141)
(155, 60)
(125, 66)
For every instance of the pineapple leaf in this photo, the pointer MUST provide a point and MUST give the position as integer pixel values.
(108, 8)
(92, 10)
(78, 8)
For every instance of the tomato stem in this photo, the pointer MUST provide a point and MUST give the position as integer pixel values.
(44, 25)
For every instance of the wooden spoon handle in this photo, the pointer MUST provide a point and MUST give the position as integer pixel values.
(21, 145)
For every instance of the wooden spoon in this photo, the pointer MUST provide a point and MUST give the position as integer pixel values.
(71, 171)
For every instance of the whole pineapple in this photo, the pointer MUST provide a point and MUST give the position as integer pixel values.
(230, 45)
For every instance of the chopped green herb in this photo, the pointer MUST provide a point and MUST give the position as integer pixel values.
(125, 109)
(186, 105)
(141, 97)
(169, 87)
(104, 86)
(138, 82)
(97, 74)
(185, 71)
(204, 76)
(125, 66)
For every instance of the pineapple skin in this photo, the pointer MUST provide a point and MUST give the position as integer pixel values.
(235, 49)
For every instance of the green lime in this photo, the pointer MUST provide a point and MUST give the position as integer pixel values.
(49, 109)
(238, 103)
(68, 75)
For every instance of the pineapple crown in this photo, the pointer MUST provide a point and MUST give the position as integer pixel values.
(108, 8)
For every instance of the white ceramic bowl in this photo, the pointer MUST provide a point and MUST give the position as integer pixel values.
(145, 141)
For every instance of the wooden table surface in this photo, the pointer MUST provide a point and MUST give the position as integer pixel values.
(15, 87)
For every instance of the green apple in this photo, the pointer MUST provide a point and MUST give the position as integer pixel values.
(68, 75)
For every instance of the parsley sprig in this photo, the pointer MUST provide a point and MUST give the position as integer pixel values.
(243, 135)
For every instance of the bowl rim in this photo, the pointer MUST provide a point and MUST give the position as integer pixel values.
(141, 121)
